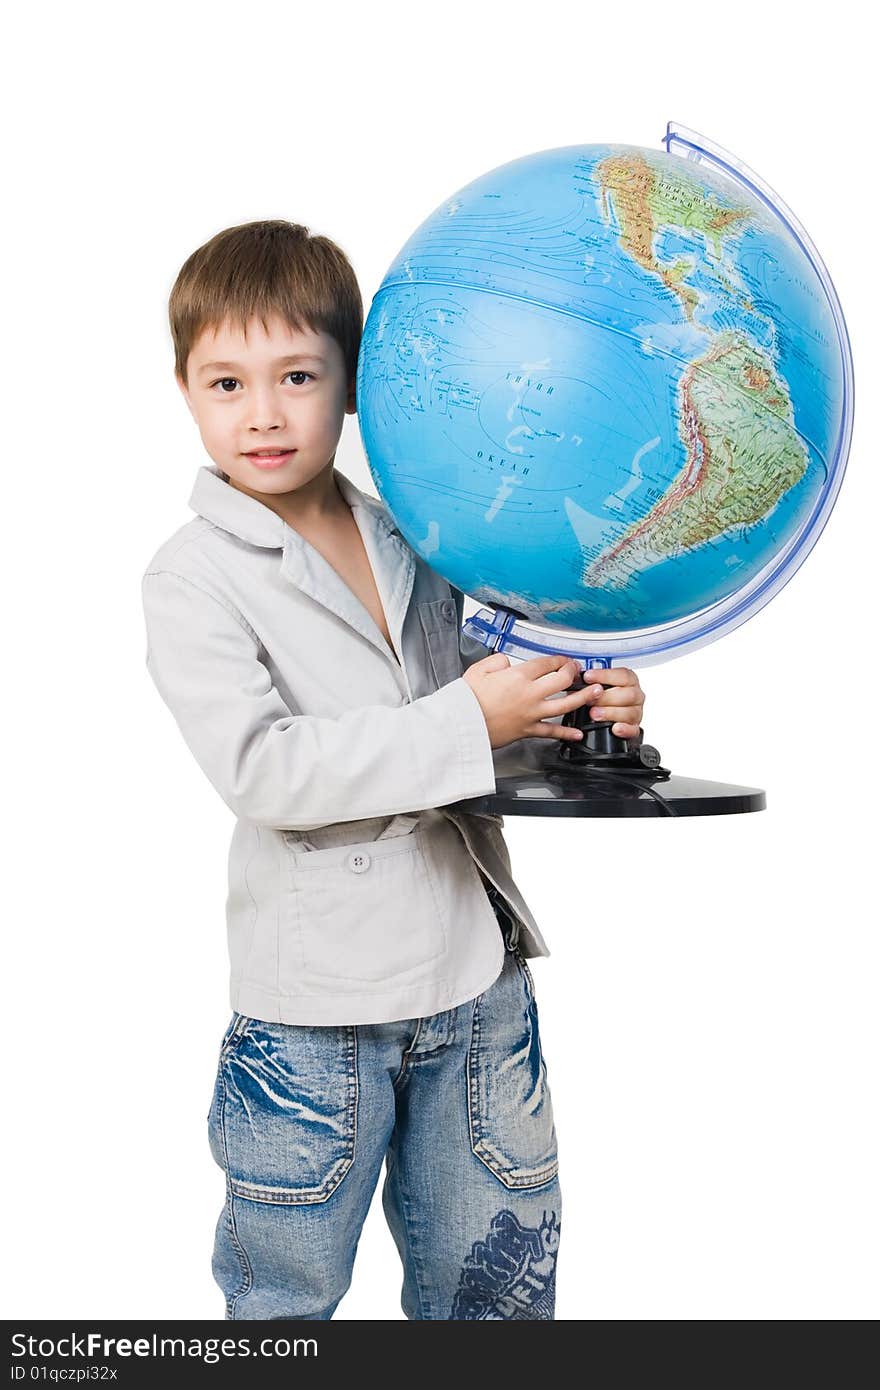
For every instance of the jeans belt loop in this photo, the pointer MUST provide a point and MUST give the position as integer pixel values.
(509, 924)
(514, 932)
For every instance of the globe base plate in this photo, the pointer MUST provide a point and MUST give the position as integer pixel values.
(532, 779)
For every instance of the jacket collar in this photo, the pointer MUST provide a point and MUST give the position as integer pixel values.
(391, 559)
(216, 500)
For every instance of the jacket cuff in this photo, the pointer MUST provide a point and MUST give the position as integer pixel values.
(476, 772)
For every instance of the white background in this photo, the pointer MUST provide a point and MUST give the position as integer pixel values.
(709, 1009)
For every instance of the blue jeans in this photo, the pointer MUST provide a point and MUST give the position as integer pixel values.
(458, 1106)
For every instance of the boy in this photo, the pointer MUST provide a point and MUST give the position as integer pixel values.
(382, 1004)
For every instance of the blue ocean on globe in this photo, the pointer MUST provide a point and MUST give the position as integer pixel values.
(602, 387)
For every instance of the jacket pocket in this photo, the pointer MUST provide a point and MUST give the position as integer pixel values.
(283, 1121)
(440, 630)
(510, 1109)
(364, 912)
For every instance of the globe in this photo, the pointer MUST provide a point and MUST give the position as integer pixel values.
(608, 390)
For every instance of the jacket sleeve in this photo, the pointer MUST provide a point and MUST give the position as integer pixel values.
(300, 771)
(471, 650)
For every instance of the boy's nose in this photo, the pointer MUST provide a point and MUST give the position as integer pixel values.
(266, 413)
(266, 417)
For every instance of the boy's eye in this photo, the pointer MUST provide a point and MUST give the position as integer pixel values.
(224, 381)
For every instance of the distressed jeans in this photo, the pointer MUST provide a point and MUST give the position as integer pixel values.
(457, 1105)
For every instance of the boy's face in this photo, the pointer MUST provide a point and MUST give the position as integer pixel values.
(246, 396)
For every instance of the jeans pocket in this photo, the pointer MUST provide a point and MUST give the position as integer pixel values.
(510, 1109)
(283, 1120)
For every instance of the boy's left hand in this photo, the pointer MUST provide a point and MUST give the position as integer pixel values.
(624, 703)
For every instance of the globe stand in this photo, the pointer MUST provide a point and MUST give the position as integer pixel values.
(599, 775)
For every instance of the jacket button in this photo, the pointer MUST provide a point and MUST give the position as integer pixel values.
(448, 611)
(358, 861)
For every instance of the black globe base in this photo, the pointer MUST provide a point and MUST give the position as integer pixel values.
(601, 775)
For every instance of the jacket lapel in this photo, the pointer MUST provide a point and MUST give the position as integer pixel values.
(391, 559)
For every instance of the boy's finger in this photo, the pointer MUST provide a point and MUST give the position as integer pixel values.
(628, 715)
(544, 665)
(613, 675)
(622, 695)
(559, 678)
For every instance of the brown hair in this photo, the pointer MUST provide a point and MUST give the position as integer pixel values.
(266, 268)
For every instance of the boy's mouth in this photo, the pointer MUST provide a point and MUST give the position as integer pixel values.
(270, 458)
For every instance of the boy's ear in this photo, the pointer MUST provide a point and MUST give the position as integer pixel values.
(351, 402)
(182, 384)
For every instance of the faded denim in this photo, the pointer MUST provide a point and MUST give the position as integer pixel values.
(458, 1106)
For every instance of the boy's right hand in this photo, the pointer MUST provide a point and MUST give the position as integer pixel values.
(514, 698)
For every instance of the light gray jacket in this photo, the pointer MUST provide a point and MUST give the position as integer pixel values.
(352, 898)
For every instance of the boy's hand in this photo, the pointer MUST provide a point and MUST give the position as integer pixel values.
(514, 699)
(624, 703)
